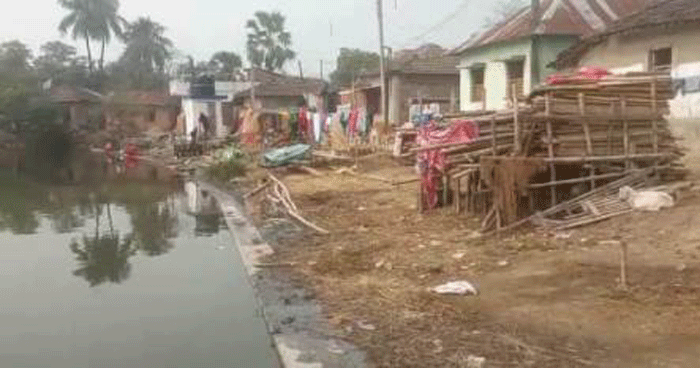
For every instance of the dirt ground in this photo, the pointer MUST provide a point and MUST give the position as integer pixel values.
(545, 300)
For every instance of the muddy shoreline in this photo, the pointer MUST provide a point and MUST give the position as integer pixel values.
(294, 318)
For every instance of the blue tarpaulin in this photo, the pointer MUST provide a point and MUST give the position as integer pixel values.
(285, 155)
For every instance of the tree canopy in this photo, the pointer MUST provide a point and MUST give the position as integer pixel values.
(351, 63)
(226, 63)
(146, 54)
(269, 44)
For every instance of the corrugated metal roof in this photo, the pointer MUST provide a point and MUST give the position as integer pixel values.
(659, 13)
(557, 17)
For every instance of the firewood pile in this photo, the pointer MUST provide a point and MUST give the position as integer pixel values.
(560, 143)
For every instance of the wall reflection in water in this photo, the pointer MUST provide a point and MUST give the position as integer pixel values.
(205, 209)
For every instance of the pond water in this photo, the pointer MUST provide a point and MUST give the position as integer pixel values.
(122, 274)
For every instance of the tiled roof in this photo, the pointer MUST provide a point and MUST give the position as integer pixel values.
(426, 59)
(143, 98)
(431, 65)
(556, 17)
(661, 13)
(274, 84)
(66, 94)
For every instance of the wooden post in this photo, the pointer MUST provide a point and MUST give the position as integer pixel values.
(587, 134)
(550, 148)
(625, 131)
(516, 124)
(445, 189)
(623, 265)
(420, 197)
(610, 127)
(457, 195)
(654, 125)
(493, 134)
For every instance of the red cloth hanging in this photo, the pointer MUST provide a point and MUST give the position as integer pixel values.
(432, 162)
(586, 73)
(352, 122)
(304, 124)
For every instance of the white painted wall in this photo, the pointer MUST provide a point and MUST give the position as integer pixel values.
(495, 74)
(631, 53)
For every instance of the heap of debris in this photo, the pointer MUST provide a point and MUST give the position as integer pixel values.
(575, 137)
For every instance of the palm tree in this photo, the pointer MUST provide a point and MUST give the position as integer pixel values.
(81, 22)
(147, 49)
(92, 19)
(109, 23)
(268, 42)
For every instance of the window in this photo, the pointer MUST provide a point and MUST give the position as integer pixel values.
(660, 60)
(477, 78)
(515, 73)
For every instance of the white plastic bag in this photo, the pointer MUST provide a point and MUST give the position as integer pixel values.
(456, 288)
(646, 200)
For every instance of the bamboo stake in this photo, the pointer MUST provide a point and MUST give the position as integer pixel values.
(587, 134)
(623, 265)
(625, 130)
(256, 190)
(654, 124)
(493, 134)
(516, 124)
(550, 151)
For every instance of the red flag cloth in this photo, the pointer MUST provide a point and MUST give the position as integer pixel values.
(304, 124)
(586, 73)
(432, 162)
(131, 155)
(352, 122)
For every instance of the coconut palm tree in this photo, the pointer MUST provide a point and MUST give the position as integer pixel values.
(92, 19)
(268, 42)
(147, 50)
(109, 23)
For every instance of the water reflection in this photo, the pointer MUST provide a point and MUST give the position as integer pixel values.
(102, 250)
(103, 258)
(205, 209)
(153, 225)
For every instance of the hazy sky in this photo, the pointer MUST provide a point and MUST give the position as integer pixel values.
(319, 27)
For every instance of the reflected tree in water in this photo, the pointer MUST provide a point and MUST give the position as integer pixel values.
(18, 205)
(105, 257)
(154, 224)
(65, 217)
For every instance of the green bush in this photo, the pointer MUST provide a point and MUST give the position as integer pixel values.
(229, 163)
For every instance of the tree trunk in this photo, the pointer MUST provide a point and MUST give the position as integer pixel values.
(102, 56)
(89, 54)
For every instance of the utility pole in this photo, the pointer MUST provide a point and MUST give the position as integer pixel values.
(321, 64)
(382, 62)
(301, 71)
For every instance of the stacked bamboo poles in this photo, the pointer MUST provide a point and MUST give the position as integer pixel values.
(604, 130)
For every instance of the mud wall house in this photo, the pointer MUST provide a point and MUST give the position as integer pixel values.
(143, 110)
(80, 107)
(516, 54)
(663, 37)
(422, 75)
